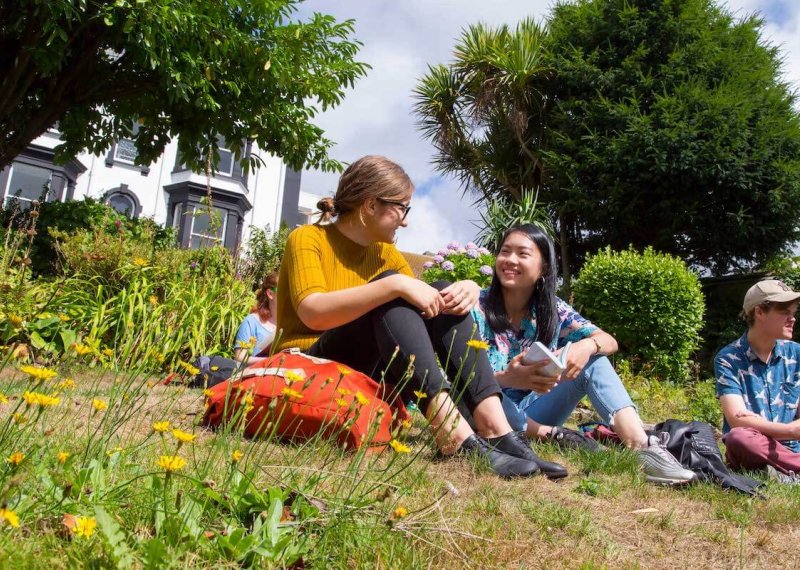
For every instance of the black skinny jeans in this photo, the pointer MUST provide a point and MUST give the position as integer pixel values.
(368, 344)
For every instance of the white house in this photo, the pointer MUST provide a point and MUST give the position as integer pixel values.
(164, 190)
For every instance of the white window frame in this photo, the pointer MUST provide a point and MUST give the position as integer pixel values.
(118, 158)
(210, 238)
(229, 151)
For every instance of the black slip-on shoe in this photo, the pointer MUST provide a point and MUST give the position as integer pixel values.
(503, 464)
(516, 444)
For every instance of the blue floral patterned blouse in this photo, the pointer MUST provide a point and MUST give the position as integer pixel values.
(505, 345)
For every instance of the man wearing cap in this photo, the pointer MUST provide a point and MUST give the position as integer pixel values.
(758, 383)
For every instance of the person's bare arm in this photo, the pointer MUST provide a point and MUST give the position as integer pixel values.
(323, 311)
(243, 355)
(738, 415)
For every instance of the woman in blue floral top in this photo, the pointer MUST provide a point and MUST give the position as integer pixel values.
(519, 308)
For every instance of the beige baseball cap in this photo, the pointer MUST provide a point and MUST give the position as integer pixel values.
(768, 290)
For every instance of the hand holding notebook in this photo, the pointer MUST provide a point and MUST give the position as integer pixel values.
(555, 364)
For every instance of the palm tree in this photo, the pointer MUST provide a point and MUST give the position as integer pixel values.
(486, 116)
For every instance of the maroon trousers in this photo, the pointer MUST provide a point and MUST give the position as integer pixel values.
(746, 448)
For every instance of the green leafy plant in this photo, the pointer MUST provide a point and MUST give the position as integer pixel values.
(456, 262)
(505, 211)
(263, 253)
(649, 301)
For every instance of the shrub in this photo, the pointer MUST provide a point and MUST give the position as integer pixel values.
(263, 253)
(649, 301)
(457, 262)
(66, 218)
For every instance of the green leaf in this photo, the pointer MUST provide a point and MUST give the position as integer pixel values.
(121, 552)
(37, 341)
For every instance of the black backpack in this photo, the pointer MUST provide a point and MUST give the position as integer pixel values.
(213, 370)
(694, 445)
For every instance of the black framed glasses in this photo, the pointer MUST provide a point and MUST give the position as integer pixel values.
(405, 208)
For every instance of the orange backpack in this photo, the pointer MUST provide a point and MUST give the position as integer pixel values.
(296, 397)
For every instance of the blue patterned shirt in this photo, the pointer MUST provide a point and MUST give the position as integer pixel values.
(505, 345)
(771, 390)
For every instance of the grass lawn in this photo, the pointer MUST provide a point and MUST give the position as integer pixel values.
(342, 510)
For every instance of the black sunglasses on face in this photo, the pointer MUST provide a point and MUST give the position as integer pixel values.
(405, 208)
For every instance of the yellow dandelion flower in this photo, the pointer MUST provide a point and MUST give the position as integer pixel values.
(341, 402)
(139, 261)
(247, 345)
(171, 463)
(343, 370)
(292, 376)
(16, 458)
(362, 399)
(344, 391)
(478, 344)
(99, 405)
(161, 427)
(406, 424)
(20, 419)
(249, 399)
(38, 372)
(153, 300)
(66, 384)
(183, 437)
(420, 395)
(15, 320)
(160, 358)
(108, 352)
(208, 392)
(63, 318)
(190, 369)
(3, 399)
(62, 457)
(82, 349)
(114, 450)
(236, 456)
(9, 517)
(84, 526)
(399, 447)
(41, 400)
(291, 393)
(400, 512)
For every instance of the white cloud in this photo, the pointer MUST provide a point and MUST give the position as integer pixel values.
(438, 217)
(400, 40)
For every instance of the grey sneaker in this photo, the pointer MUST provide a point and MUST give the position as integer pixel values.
(790, 478)
(659, 464)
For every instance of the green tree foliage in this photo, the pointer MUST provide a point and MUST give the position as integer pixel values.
(644, 122)
(650, 302)
(673, 129)
(485, 112)
(238, 69)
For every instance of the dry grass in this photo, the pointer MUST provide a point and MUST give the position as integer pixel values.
(588, 520)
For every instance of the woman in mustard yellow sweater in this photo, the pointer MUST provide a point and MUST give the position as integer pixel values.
(347, 294)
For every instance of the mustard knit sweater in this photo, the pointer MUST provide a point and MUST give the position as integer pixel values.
(318, 259)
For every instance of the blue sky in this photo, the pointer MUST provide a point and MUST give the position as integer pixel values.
(400, 40)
